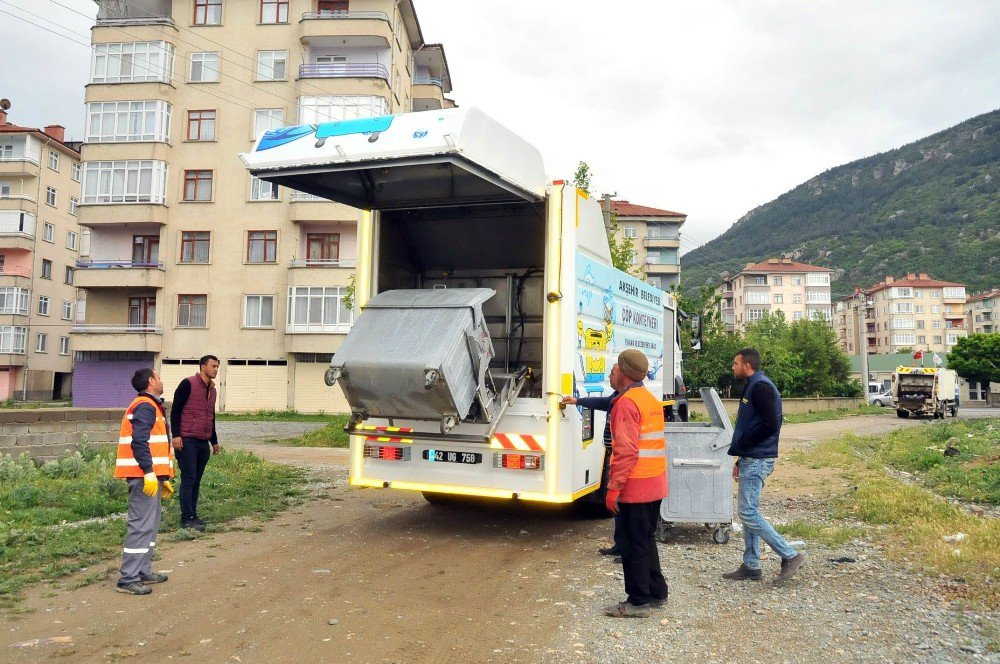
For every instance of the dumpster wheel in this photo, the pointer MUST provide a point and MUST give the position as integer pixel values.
(664, 531)
(721, 535)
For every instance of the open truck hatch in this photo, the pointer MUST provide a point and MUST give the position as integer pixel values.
(443, 158)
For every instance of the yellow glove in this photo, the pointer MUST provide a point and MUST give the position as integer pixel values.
(168, 489)
(150, 484)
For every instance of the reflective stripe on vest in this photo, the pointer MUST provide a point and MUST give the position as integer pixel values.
(652, 460)
(159, 444)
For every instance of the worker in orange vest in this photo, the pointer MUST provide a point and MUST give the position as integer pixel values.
(145, 461)
(637, 483)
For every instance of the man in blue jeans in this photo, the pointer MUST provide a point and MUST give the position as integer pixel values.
(755, 446)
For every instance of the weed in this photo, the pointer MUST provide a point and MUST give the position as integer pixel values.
(826, 534)
(277, 416)
(332, 435)
(838, 414)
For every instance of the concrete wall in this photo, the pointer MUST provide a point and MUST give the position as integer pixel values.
(47, 433)
(789, 406)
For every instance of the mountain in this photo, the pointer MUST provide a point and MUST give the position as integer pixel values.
(931, 206)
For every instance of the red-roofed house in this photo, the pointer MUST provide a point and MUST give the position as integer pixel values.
(982, 311)
(915, 312)
(656, 240)
(39, 238)
(798, 290)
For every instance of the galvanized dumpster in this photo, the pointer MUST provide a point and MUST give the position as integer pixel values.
(699, 472)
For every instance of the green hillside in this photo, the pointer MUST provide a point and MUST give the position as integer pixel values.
(931, 206)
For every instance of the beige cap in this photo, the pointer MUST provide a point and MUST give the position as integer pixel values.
(633, 364)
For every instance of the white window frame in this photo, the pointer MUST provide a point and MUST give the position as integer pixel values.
(74, 203)
(128, 121)
(755, 314)
(43, 305)
(954, 292)
(901, 291)
(796, 298)
(266, 119)
(48, 232)
(314, 302)
(13, 339)
(14, 300)
(902, 307)
(756, 297)
(64, 345)
(936, 309)
(51, 196)
(132, 62)
(331, 108)
(41, 342)
(72, 239)
(206, 65)
(817, 297)
(255, 319)
(904, 339)
(779, 298)
(54, 160)
(630, 232)
(776, 280)
(902, 324)
(133, 181)
(951, 338)
(261, 190)
(272, 63)
(76, 171)
(798, 315)
(67, 310)
(820, 279)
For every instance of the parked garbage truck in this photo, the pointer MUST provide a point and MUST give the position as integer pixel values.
(486, 292)
(925, 391)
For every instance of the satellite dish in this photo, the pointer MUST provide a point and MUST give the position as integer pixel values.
(5, 104)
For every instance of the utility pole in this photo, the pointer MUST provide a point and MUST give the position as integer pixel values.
(606, 207)
(863, 336)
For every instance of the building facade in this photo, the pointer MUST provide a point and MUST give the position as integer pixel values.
(656, 241)
(798, 290)
(982, 312)
(915, 312)
(185, 254)
(39, 240)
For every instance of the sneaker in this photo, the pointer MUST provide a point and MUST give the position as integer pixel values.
(617, 560)
(627, 610)
(153, 578)
(134, 588)
(199, 522)
(609, 551)
(744, 573)
(790, 567)
(192, 524)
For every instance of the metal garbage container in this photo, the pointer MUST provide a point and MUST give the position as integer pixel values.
(699, 473)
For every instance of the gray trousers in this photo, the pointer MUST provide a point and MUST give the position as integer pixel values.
(141, 527)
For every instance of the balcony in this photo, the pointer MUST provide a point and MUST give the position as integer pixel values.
(313, 209)
(20, 166)
(318, 28)
(17, 230)
(337, 262)
(663, 268)
(345, 70)
(427, 94)
(101, 214)
(304, 272)
(20, 200)
(13, 275)
(118, 274)
(662, 242)
(129, 338)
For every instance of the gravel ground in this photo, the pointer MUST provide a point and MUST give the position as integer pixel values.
(244, 432)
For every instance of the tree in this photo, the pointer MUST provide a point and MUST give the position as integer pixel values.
(581, 179)
(977, 357)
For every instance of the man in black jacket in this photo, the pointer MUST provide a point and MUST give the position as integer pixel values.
(755, 445)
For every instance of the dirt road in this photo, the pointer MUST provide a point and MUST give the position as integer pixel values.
(374, 576)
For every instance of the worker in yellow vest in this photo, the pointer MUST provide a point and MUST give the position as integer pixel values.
(145, 461)
(637, 483)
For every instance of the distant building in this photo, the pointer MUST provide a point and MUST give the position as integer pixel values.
(656, 241)
(982, 312)
(39, 240)
(915, 312)
(798, 290)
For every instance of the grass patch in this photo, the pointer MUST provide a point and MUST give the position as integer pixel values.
(60, 517)
(826, 534)
(332, 435)
(278, 416)
(838, 414)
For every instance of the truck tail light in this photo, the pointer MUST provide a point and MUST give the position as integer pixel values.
(387, 452)
(517, 461)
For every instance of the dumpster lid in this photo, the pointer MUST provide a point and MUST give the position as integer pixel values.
(436, 298)
(412, 160)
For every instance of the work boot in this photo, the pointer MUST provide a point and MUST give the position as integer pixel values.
(744, 573)
(153, 578)
(617, 560)
(790, 567)
(134, 588)
(193, 525)
(610, 551)
(628, 610)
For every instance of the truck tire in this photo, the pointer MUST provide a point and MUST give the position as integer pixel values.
(902, 413)
(954, 412)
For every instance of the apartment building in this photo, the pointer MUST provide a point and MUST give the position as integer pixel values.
(185, 253)
(656, 241)
(982, 312)
(39, 239)
(915, 312)
(798, 290)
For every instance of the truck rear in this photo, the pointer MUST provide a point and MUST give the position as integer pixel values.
(487, 294)
(925, 391)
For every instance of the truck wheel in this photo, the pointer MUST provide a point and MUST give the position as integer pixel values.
(437, 498)
(902, 413)
(954, 412)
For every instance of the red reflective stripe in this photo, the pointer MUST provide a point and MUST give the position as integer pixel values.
(532, 443)
(504, 441)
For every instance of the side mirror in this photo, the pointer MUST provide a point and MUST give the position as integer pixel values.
(695, 332)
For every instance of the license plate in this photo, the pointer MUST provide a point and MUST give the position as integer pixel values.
(448, 456)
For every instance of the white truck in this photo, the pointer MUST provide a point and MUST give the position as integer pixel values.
(486, 295)
(925, 391)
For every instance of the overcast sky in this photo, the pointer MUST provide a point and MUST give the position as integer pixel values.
(708, 108)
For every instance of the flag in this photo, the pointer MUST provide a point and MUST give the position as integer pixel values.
(937, 360)
(919, 355)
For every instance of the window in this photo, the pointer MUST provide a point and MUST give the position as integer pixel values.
(201, 126)
(71, 239)
(936, 324)
(74, 203)
(920, 324)
(902, 323)
(332, 7)
(318, 309)
(776, 280)
(197, 185)
(14, 301)
(67, 310)
(43, 306)
(330, 108)
(136, 181)
(204, 68)
(266, 119)
(796, 298)
(12, 339)
(128, 121)
(918, 309)
(274, 11)
(194, 246)
(132, 62)
(902, 308)
(631, 232)
(192, 310)
(901, 292)
(817, 279)
(258, 311)
(145, 249)
(755, 314)
(903, 339)
(54, 160)
(142, 311)
(779, 298)
(271, 65)
(41, 341)
(76, 171)
(921, 339)
(46, 269)
(935, 309)
(263, 191)
(262, 246)
(633, 258)
(758, 281)
(937, 338)
(68, 277)
(917, 292)
(936, 293)
(797, 315)
(757, 297)
(796, 281)
(954, 293)
(64, 345)
(818, 297)
(50, 196)
(49, 233)
(207, 12)
(323, 247)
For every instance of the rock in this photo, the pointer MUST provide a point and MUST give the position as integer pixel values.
(977, 510)
(333, 621)
(971, 649)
